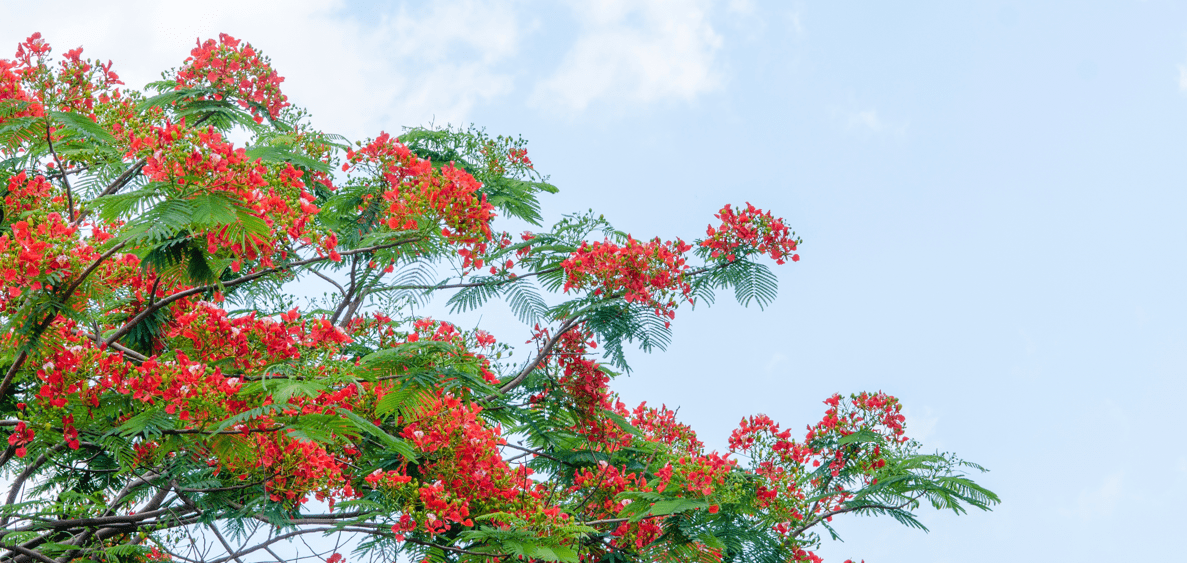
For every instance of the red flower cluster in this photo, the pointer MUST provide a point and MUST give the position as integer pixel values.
(791, 487)
(748, 230)
(651, 273)
(41, 252)
(462, 469)
(415, 191)
(20, 436)
(200, 163)
(11, 73)
(519, 156)
(237, 70)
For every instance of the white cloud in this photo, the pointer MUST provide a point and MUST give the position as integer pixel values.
(866, 119)
(797, 22)
(777, 360)
(869, 122)
(635, 50)
(740, 7)
(356, 77)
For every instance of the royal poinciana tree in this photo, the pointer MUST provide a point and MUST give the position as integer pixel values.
(163, 399)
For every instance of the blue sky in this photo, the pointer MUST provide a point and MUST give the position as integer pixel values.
(991, 196)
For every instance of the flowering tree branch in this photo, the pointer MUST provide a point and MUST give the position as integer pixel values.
(149, 406)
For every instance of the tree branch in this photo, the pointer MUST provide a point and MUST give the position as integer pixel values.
(28, 553)
(19, 481)
(213, 528)
(516, 381)
(268, 542)
(123, 330)
(65, 180)
(329, 279)
(103, 521)
(810, 523)
(115, 186)
(530, 451)
(464, 285)
(137, 356)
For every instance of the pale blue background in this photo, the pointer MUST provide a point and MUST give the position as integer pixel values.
(991, 196)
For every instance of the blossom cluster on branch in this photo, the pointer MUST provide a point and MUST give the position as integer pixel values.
(159, 382)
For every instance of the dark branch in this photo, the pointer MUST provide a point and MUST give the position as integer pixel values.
(123, 330)
(65, 180)
(516, 381)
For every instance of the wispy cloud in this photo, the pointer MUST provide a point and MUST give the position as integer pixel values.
(866, 119)
(740, 7)
(796, 21)
(776, 361)
(1100, 501)
(638, 51)
(870, 122)
(357, 75)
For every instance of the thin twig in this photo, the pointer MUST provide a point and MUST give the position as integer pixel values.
(464, 285)
(19, 481)
(213, 528)
(65, 180)
(530, 451)
(115, 186)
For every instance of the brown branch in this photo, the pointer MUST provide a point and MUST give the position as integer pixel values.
(516, 381)
(90, 270)
(17, 362)
(65, 179)
(137, 356)
(268, 542)
(329, 279)
(128, 488)
(347, 294)
(112, 520)
(464, 285)
(19, 481)
(7, 455)
(362, 527)
(810, 523)
(28, 553)
(211, 525)
(115, 186)
(153, 504)
(530, 451)
(123, 330)
(123, 179)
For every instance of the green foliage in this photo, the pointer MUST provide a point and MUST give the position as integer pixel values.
(509, 185)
